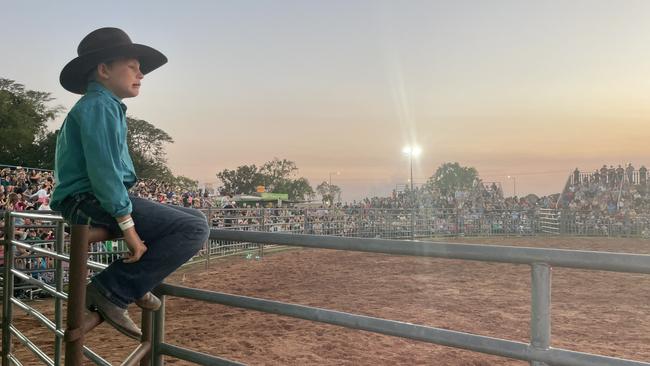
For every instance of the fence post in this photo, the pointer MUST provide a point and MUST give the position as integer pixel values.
(8, 289)
(208, 242)
(77, 273)
(540, 315)
(158, 333)
(147, 335)
(58, 278)
(413, 221)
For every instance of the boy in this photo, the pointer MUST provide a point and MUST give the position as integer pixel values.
(94, 172)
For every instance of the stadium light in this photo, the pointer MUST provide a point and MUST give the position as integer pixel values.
(412, 151)
(514, 184)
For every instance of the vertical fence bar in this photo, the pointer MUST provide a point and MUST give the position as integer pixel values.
(540, 315)
(79, 235)
(147, 335)
(158, 333)
(207, 244)
(58, 278)
(8, 292)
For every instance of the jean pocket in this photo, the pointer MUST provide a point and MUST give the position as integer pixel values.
(90, 208)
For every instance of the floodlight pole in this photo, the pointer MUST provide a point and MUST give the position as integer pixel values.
(412, 199)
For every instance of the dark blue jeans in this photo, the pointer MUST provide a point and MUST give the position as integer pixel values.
(172, 234)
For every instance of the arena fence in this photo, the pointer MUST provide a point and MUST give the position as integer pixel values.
(549, 221)
(539, 351)
(11, 274)
(350, 222)
(429, 222)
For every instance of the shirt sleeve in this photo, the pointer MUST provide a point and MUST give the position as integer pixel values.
(101, 139)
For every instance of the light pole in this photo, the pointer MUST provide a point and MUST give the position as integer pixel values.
(514, 184)
(329, 187)
(412, 151)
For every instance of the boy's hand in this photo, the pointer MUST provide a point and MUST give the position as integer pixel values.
(135, 244)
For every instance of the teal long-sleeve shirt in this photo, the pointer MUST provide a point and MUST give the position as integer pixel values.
(92, 154)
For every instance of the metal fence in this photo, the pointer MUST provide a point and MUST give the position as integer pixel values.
(549, 221)
(429, 222)
(11, 275)
(377, 223)
(632, 176)
(350, 222)
(366, 223)
(538, 352)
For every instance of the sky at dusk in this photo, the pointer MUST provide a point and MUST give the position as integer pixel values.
(530, 89)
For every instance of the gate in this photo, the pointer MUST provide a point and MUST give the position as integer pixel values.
(549, 221)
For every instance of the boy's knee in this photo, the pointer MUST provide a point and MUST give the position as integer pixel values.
(199, 227)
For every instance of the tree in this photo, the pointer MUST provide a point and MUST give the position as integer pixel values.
(43, 152)
(275, 175)
(23, 119)
(146, 147)
(299, 189)
(26, 141)
(451, 177)
(186, 184)
(329, 193)
(244, 179)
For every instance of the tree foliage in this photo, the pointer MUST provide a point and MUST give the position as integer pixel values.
(186, 184)
(299, 189)
(147, 149)
(275, 175)
(244, 179)
(452, 177)
(23, 121)
(25, 140)
(329, 192)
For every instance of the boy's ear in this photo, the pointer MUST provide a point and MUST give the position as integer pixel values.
(101, 71)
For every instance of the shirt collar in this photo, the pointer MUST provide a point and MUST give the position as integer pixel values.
(95, 86)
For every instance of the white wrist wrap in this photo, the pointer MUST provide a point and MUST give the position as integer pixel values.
(126, 224)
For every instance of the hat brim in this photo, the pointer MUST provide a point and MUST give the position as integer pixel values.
(74, 76)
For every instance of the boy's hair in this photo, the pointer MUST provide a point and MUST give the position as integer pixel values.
(92, 75)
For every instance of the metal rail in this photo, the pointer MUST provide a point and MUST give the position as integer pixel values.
(76, 303)
(538, 352)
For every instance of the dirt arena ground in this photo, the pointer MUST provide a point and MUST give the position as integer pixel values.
(597, 312)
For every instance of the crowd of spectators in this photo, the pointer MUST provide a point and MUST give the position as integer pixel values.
(165, 192)
(593, 201)
(25, 189)
(481, 197)
(608, 201)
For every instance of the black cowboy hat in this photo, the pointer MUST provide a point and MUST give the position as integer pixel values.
(102, 45)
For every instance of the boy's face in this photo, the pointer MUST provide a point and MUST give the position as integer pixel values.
(122, 77)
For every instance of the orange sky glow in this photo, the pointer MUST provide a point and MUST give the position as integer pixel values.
(530, 90)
